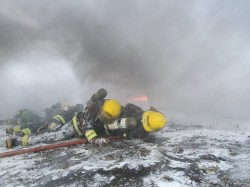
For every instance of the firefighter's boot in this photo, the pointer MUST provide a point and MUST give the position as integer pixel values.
(12, 142)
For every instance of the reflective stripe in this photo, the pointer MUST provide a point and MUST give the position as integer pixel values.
(9, 143)
(25, 140)
(26, 131)
(74, 123)
(60, 118)
(90, 134)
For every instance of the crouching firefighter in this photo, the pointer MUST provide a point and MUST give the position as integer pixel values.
(89, 124)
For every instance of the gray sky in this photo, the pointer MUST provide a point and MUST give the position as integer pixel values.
(186, 56)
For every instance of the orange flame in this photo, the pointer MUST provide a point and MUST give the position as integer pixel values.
(142, 98)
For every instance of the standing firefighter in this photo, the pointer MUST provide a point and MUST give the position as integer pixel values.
(89, 123)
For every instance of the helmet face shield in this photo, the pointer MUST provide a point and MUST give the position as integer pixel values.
(153, 121)
(146, 124)
(105, 117)
(109, 111)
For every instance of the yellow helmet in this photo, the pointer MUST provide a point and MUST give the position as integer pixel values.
(110, 111)
(153, 121)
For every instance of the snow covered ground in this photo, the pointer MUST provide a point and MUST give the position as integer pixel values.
(183, 155)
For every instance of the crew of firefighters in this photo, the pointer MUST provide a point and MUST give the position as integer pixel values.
(100, 118)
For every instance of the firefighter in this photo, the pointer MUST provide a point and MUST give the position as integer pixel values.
(89, 123)
(135, 123)
(103, 117)
(52, 110)
(26, 121)
(98, 112)
(60, 119)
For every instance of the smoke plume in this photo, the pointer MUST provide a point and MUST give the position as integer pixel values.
(185, 56)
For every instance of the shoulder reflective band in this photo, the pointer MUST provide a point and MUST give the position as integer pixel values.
(26, 131)
(74, 122)
(25, 140)
(61, 119)
(17, 128)
(90, 134)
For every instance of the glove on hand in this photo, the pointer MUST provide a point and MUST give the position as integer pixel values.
(100, 141)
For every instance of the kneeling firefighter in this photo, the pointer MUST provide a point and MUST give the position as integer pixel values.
(89, 123)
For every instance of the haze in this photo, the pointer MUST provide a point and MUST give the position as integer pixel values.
(190, 57)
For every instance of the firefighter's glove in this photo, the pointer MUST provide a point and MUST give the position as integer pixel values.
(100, 141)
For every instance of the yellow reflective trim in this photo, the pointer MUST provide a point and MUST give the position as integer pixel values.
(26, 131)
(17, 128)
(74, 122)
(9, 143)
(25, 140)
(90, 134)
(60, 118)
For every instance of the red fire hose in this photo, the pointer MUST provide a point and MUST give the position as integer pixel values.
(51, 146)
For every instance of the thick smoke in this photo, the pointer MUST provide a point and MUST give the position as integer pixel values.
(186, 56)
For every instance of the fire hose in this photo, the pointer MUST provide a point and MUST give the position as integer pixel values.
(51, 146)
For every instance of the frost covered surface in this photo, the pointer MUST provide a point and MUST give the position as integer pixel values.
(182, 156)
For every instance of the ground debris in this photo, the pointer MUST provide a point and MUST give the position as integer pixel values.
(179, 158)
